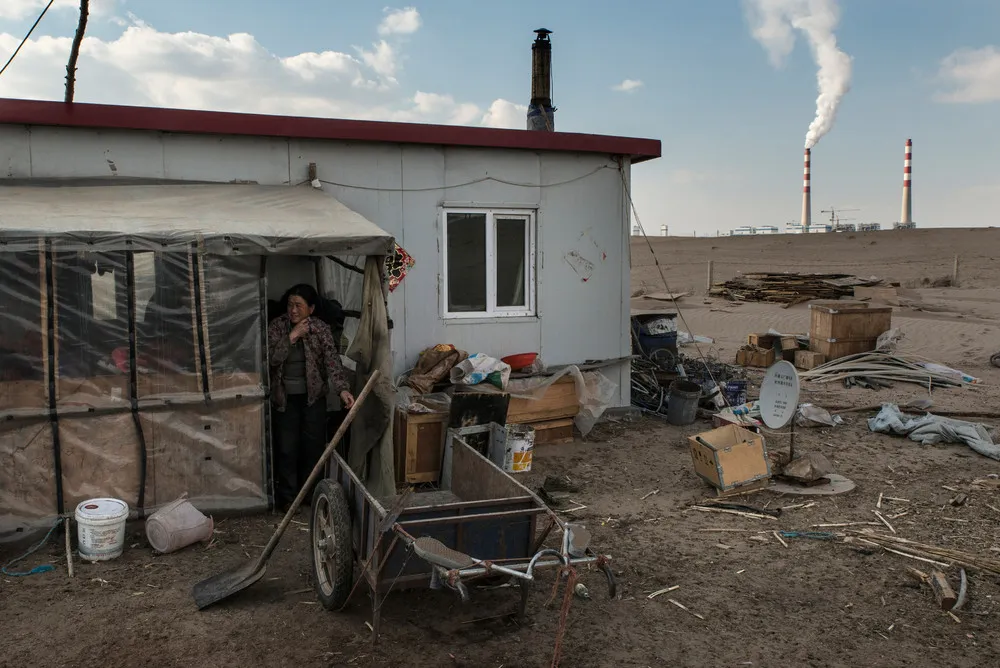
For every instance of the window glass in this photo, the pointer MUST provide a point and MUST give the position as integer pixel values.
(466, 272)
(511, 236)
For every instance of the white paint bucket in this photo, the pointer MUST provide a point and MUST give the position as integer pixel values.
(520, 444)
(100, 528)
(176, 525)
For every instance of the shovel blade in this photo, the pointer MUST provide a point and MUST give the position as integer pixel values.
(212, 590)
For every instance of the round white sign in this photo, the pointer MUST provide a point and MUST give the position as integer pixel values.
(779, 395)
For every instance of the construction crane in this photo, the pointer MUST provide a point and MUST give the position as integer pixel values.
(835, 218)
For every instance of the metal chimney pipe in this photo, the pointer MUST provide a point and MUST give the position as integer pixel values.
(906, 214)
(806, 197)
(541, 113)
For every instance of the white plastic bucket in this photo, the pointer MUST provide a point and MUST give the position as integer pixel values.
(100, 528)
(520, 444)
(176, 525)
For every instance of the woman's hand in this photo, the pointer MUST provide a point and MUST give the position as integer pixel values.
(299, 330)
(347, 398)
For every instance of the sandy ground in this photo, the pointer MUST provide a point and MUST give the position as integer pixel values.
(812, 603)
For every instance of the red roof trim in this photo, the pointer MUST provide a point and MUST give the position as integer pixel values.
(32, 112)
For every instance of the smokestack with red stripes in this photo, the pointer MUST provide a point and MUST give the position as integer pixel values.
(806, 198)
(906, 214)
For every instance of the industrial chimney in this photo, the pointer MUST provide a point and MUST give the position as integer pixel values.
(806, 197)
(541, 113)
(906, 214)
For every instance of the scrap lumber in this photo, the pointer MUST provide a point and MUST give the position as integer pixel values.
(788, 288)
(945, 595)
(926, 552)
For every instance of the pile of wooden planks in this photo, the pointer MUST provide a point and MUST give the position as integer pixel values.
(784, 288)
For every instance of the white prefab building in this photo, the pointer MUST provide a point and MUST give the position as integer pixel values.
(520, 239)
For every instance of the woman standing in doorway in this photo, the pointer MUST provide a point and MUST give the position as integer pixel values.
(305, 366)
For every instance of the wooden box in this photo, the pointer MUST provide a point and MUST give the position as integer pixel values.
(730, 457)
(838, 329)
(808, 359)
(418, 445)
(761, 340)
(755, 357)
(558, 402)
(553, 432)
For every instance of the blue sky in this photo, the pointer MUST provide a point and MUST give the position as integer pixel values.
(732, 125)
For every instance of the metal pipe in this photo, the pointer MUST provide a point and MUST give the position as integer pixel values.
(479, 570)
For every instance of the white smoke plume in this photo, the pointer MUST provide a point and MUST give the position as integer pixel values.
(773, 23)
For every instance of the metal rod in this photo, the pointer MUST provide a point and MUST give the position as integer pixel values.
(477, 571)
(526, 512)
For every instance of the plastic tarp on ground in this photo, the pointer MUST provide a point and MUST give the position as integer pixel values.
(152, 362)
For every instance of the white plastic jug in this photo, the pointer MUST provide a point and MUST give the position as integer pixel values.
(176, 525)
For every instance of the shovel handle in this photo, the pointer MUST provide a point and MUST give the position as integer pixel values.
(317, 470)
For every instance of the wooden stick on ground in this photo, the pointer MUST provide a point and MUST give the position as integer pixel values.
(884, 521)
(685, 609)
(945, 595)
(733, 512)
(778, 536)
(69, 548)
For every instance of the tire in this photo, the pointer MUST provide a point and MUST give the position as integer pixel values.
(330, 542)
(995, 360)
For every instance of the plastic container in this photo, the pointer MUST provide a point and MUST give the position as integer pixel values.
(682, 402)
(520, 444)
(100, 528)
(176, 525)
(520, 361)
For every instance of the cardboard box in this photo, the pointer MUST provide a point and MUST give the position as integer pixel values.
(755, 357)
(808, 359)
(730, 457)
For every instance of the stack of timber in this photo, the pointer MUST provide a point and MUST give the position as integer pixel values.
(784, 288)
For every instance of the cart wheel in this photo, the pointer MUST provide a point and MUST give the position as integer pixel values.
(330, 535)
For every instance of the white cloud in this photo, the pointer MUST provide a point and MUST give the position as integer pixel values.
(628, 86)
(972, 75)
(146, 67)
(504, 114)
(400, 21)
(17, 10)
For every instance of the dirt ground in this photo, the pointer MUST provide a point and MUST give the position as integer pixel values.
(812, 603)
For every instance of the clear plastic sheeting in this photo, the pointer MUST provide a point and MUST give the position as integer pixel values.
(142, 308)
(23, 343)
(211, 453)
(27, 478)
(226, 219)
(91, 324)
(100, 458)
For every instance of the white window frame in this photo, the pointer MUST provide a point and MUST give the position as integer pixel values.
(530, 260)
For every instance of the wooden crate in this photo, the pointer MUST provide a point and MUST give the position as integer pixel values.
(838, 329)
(755, 357)
(418, 445)
(732, 458)
(552, 432)
(808, 359)
(558, 402)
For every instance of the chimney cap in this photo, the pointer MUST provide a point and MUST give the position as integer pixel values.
(543, 34)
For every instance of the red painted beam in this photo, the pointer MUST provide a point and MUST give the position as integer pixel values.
(100, 116)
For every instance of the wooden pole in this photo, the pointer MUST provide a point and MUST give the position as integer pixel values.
(74, 52)
(954, 274)
(711, 275)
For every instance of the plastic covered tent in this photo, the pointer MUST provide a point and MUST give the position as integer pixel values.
(133, 359)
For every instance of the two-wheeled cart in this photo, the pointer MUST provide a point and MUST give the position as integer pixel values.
(478, 524)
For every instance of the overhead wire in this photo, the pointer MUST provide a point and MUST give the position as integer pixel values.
(663, 277)
(23, 41)
(473, 182)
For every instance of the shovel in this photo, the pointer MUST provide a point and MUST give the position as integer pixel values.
(223, 585)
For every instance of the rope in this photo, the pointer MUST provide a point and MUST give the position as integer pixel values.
(44, 568)
(563, 610)
(469, 183)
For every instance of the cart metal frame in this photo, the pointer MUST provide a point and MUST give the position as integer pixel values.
(493, 533)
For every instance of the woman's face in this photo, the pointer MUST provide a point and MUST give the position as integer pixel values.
(298, 309)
